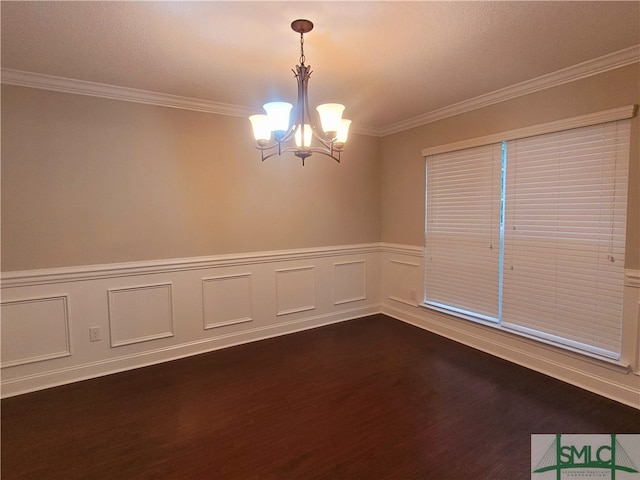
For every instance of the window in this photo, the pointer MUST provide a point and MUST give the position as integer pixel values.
(463, 231)
(529, 233)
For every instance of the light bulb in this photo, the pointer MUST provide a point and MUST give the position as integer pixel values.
(307, 136)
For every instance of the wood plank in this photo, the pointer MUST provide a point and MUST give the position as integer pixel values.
(371, 398)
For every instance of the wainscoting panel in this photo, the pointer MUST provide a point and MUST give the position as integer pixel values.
(227, 300)
(350, 282)
(403, 281)
(140, 314)
(156, 311)
(34, 330)
(295, 290)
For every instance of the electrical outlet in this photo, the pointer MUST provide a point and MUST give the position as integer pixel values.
(94, 334)
(413, 294)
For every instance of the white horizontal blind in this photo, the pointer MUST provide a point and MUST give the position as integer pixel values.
(564, 236)
(462, 250)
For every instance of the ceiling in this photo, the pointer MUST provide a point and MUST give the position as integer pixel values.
(386, 61)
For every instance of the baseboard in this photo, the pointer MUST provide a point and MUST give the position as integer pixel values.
(109, 366)
(510, 350)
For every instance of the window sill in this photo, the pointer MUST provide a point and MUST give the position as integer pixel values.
(601, 361)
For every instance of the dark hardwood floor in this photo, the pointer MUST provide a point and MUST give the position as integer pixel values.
(366, 399)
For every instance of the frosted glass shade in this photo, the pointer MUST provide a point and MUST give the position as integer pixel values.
(330, 116)
(278, 113)
(261, 128)
(343, 131)
(307, 136)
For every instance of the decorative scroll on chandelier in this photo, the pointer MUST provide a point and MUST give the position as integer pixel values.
(286, 122)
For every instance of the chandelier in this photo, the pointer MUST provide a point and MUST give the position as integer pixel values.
(285, 122)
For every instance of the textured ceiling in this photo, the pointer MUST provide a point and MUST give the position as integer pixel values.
(387, 61)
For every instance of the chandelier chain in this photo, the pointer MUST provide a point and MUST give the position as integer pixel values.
(302, 57)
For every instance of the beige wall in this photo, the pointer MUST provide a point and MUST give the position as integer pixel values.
(89, 181)
(402, 168)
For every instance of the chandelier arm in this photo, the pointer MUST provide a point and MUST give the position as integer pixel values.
(309, 151)
(303, 79)
(326, 143)
(327, 153)
(272, 154)
(315, 129)
(302, 112)
(267, 147)
(288, 135)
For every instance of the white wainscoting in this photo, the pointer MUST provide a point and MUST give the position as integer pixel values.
(163, 310)
(34, 330)
(151, 312)
(402, 268)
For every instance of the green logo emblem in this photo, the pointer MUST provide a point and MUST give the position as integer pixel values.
(585, 456)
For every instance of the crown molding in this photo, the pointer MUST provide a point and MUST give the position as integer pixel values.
(598, 65)
(81, 87)
(586, 69)
(366, 130)
(42, 81)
